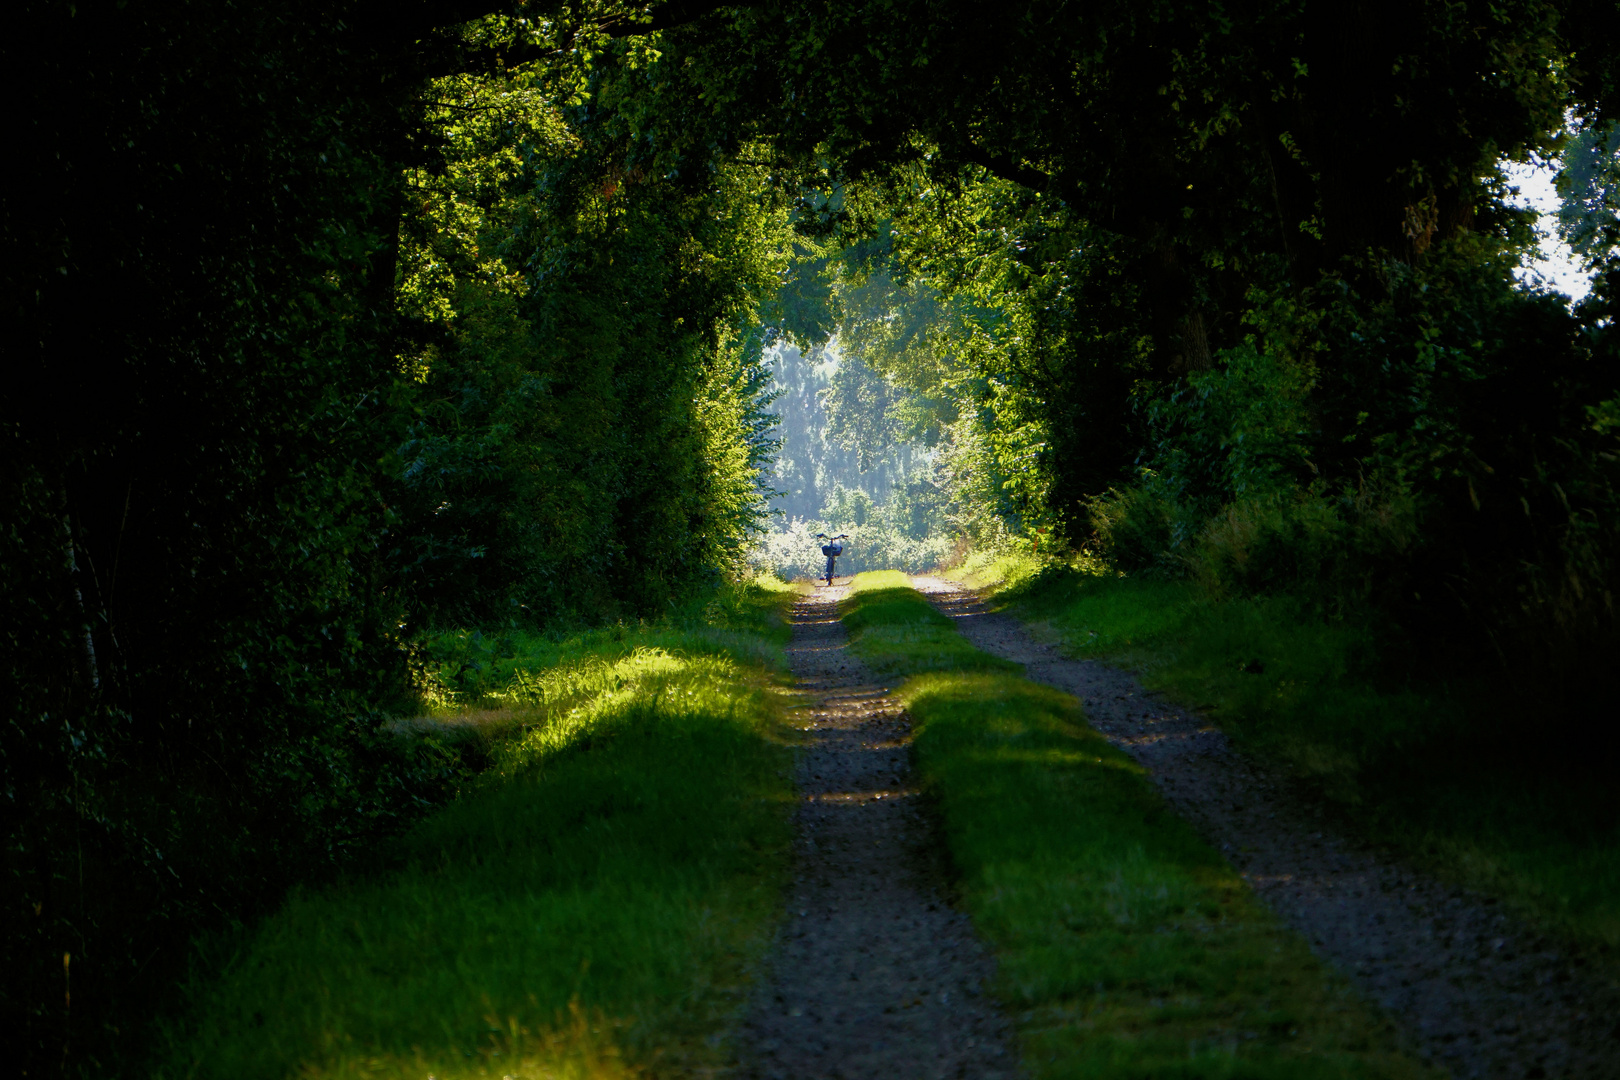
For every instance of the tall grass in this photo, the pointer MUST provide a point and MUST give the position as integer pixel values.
(1126, 946)
(1497, 786)
(590, 906)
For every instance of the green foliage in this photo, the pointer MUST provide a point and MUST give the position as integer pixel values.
(863, 411)
(591, 904)
(1126, 945)
(195, 554)
(1589, 184)
(1468, 494)
(578, 452)
(906, 532)
(822, 462)
(335, 327)
(1460, 773)
(795, 552)
(811, 466)
(891, 390)
(1129, 241)
(475, 669)
(880, 492)
(319, 349)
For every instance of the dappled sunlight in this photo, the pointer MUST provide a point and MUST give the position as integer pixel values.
(590, 678)
(649, 684)
(1056, 757)
(879, 581)
(407, 398)
(861, 798)
(992, 690)
(588, 908)
(893, 629)
(542, 712)
(576, 1046)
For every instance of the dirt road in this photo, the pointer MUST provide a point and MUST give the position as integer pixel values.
(874, 976)
(1475, 990)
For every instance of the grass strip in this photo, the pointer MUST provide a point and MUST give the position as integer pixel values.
(589, 907)
(1494, 789)
(892, 635)
(1127, 947)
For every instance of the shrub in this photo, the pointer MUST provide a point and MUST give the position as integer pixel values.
(1134, 528)
(1268, 544)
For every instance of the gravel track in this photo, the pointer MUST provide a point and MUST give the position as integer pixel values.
(873, 974)
(1475, 990)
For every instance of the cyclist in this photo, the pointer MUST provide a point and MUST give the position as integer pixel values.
(832, 549)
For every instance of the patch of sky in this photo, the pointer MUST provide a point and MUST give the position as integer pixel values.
(1552, 264)
(1574, 195)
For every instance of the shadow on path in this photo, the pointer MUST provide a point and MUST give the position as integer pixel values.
(1474, 989)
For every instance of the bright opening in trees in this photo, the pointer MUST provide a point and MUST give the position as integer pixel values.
(366, 360)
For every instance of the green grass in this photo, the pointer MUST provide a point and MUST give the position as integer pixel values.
(1126, 946)
(590, 906)
(892, 635)
(465, 670)
(1496, 790)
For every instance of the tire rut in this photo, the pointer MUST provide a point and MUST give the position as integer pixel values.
(1474, 989)
(873, 973)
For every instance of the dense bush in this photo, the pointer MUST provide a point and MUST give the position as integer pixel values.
(313, 345)
(1438, 453)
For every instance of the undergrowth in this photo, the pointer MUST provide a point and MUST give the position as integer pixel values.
(1501, 787)
(1126, 946)
(589, 906)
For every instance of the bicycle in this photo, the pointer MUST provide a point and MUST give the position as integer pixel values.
(832, 549)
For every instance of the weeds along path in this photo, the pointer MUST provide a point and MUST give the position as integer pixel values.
(874, 975)
(1476, 991)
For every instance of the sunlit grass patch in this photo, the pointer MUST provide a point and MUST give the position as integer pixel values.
(591, 906)
(1126, 946)
(473, 670)
(575, 1046)
(1483, 784)
(893, 629)
(878, 581)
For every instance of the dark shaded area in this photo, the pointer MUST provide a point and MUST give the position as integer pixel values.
(227, 491)
(272, 407)
(1472, 985)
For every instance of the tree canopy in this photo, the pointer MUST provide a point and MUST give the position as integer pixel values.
(330, 323)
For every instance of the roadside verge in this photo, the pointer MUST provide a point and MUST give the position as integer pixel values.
(1126, 945)
(590, 905)
(1496, 787)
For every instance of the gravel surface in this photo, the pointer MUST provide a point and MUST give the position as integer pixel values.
(1477, 991)
(873, 974)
